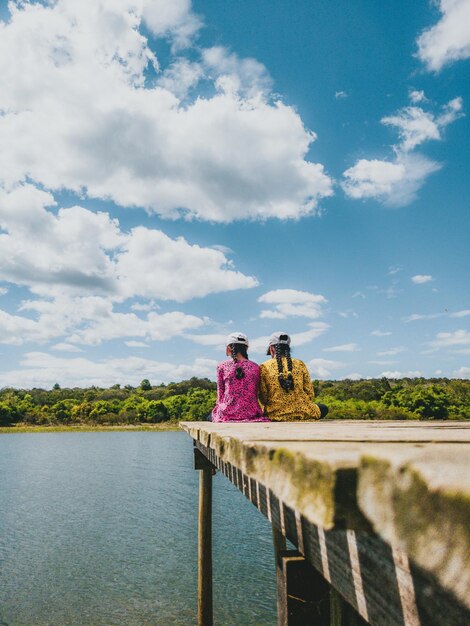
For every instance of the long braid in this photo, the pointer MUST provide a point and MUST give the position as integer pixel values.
(239, 373)
(280, 368)
(290, 378)
(286, 382)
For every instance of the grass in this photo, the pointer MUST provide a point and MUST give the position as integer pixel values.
(81, 428)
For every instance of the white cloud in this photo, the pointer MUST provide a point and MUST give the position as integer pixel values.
(449, 39)
(399, 374)
(216, 339)
(87, 120)
(415, 126)
(291, 302)
(463, 313)
(236, 76)
(340, 95)
(136, 344)
(316, 329)
(448, 340)
(421, 316)
(394, 269)
(3, 291)
(392, 351)
(323, 368)
(355, 376)
(80, 252)
(89, 321)
(463, 372)
(420, 279)
(66, 347)
(152, 265)
(40, 369)
(174, 20)
(417, 96)
(380, 333)
(181, 76)
(396, 182)
(345, 347)
(259, 345)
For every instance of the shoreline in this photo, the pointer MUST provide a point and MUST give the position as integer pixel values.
(162, 427)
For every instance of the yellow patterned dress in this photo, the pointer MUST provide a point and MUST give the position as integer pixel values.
(287, 406)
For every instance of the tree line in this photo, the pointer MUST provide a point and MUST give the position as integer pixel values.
(193, 399)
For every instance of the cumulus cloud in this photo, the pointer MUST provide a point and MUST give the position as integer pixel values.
(217, 340)
(174, 20)
(399, 374)
(323, 368)
(451, 339)
(420, 279)
(87, 118)
(82, 265)
(345, 347)
(290, 303)
(462, 372)
(380, 333)
(395, 182)
(88, 321)
(448, 40)
(40, 369)
(79, 252)
(314, 330)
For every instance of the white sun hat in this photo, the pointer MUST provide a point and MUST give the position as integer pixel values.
(237, 338)
(276, 338)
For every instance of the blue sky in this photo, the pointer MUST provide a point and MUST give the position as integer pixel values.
(173, 171)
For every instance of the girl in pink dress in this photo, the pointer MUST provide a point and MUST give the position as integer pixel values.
(237, 385)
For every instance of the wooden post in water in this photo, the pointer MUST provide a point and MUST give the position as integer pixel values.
(302, 593)
(279, 543)
(205, 612)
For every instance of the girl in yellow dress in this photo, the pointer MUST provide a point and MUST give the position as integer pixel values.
(286, 389)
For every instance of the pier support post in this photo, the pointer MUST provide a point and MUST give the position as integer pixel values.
(205, 611)
(302, 593)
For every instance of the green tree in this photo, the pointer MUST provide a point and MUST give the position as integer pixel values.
(156, 411)
(176, 406)
(145, 385)
(430, 402)
(8, 414)
(62, 411)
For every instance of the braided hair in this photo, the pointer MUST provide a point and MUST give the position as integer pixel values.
(285, 380)
(238, 348)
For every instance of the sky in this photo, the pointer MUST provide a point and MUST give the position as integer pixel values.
(173, 171)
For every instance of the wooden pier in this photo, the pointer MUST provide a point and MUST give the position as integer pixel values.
(379, 514)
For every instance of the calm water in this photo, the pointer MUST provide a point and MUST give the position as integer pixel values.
(100, 528)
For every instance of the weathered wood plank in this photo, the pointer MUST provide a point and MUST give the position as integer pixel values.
(335, 430)
(420, 501)
(377, 580)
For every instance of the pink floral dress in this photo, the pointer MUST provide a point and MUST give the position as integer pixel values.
(237, 399)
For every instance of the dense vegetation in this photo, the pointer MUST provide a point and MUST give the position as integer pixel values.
(193, 399)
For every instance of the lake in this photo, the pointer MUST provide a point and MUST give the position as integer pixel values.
(100, 528)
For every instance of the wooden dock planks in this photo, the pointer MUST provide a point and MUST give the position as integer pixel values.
(389, 499)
